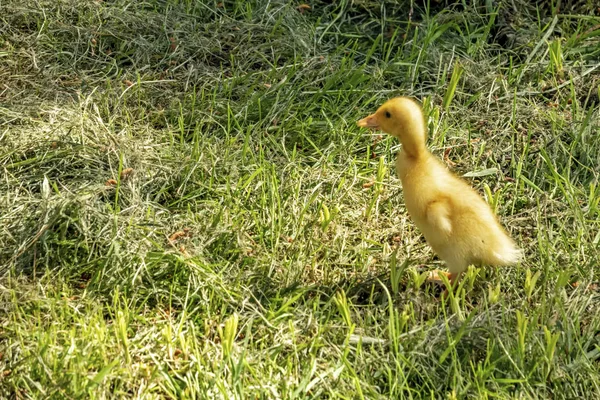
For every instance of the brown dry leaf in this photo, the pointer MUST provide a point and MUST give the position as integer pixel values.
(303, 7)
(176, 235)
(126, 173)
(390, 32)
(447, 158)
(591, 287)
(184, 251)
(377, 140)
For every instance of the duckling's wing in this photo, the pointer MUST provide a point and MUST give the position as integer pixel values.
(438, 215)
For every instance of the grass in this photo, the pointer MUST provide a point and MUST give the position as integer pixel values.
(188, 210)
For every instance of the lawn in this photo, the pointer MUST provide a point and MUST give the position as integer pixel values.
(188, 209)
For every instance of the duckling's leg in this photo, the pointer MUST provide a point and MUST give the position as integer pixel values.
(453, 278)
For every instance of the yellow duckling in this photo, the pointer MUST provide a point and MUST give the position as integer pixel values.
(456, 222)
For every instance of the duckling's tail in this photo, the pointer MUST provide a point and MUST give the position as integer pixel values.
(505, 253)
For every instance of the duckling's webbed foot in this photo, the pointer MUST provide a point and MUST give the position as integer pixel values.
(434, 277)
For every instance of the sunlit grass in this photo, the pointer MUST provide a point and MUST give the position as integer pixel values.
(188, 209)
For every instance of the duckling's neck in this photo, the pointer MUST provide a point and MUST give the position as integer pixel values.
(414, 144)
(412, 134)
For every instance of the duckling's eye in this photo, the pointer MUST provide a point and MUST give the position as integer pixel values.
(388, 115)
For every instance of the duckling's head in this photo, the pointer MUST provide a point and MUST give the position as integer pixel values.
(403, 118)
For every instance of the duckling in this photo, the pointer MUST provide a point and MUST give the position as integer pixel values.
(456, 221)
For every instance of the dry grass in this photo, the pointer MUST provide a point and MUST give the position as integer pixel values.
(187, 209)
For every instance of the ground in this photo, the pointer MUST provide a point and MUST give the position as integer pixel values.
(188, 209)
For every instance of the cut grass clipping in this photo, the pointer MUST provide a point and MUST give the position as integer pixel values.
(188, 209)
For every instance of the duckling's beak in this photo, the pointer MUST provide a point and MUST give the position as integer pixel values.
(369, 122)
